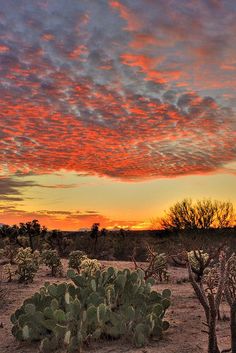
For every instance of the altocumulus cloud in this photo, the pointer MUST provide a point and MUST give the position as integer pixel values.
(126, 89)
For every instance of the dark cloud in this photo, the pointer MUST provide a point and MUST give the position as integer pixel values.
(11, 188)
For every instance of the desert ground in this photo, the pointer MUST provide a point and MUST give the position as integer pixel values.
(185, 315)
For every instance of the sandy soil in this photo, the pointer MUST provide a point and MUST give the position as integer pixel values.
(185, 316)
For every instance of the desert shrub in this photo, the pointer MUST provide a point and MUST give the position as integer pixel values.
(3, 296)
(59, 241)
(123, 248)
(89, 266)
(75, 259)
(9, 272)
(52, 260)
(8, 252)
(27, 264)
(23, 241)
(109, 304)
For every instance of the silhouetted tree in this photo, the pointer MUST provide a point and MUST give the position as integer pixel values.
(94, 234)
(58, 239)
(10, 232)
(103, 232)
(203, 214)
(122, 233)
(32, 229)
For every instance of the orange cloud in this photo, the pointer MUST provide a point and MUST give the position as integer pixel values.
(90, 97)
(133, 23)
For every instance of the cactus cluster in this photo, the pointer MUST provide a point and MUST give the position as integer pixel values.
(160, 267)
(27, 264)
(199, 261)
(75, 259)
(230, 294)
(217, 281)
(89, 266)
(8, 252)
(109, 303)
(51, 259)
(9, 272)
(194, 256)
(156, 267)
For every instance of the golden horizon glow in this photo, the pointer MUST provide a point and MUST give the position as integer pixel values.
(70, 202)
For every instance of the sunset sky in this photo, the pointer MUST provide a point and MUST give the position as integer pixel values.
(111, 111)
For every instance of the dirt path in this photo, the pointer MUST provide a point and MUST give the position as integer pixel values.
(185, 317)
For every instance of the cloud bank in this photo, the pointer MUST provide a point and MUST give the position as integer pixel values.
(125, 89)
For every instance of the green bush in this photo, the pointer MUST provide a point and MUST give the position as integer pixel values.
(109, 304)
(51, 259)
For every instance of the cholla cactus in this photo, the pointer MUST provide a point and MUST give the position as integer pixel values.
(75, 259)
(199, 261)
(230, 294)
(209, 293)
(8, 252)
(157, 266)
(160, 267)
(27, 264)
(51, 259)
(23, 241)
(1, 253)
(9, 272)
(89, 266)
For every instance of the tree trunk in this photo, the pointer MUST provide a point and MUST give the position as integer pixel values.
(212, 339)
(212, 343)
(233, 326)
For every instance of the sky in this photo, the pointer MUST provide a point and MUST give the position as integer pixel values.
(111, 111)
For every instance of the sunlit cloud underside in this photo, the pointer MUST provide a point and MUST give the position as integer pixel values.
(127, 90)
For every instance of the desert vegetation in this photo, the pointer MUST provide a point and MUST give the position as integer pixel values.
(83, 294)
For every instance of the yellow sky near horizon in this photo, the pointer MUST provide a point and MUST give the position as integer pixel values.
(68, 201)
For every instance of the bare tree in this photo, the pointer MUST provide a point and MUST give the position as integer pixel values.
(203, 214)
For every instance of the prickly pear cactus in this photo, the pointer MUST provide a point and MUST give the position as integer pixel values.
(108, 303)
